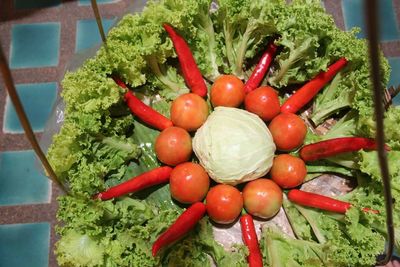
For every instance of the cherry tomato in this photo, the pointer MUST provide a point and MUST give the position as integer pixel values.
(189, 111)
(262, 198)
(264, 102)
(189, 183)
(173, 146)
(288, 131)
(288, 171)
(224, 203)
(227, 91)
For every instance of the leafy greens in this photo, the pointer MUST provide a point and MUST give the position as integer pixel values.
(101, 144)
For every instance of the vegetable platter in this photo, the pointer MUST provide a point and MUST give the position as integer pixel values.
(228, 133)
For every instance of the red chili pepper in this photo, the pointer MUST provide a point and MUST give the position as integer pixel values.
(156, 176)
(332, 147)
(191, 72)
(304, 95)
(144, 112)
(185, 222)
(250, 240)
(261, 69)
(321, 202)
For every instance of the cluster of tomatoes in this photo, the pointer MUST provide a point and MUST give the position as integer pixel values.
(190, 183)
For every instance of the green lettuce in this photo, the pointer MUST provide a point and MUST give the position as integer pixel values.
(369, 165)
(102, 144)
(193, 20)
(196, 249)
(244, 27)
(107, 234)
(303, 29)
(349, 239)
(281, 250)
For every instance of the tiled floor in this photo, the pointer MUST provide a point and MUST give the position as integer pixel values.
(39, 37)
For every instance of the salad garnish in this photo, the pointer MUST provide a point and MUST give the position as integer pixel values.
(104, 142)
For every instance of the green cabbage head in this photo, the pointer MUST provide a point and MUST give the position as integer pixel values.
(234, 146)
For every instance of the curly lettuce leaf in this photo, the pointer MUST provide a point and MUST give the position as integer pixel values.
(337, 96)
(367, 127)
(300, 227)
(138, 49)
(79, 250)
(369, 165)
(244, 27)
(304, 28)
(199, 246)
(115, 234)
(101, 144)
(281, 250)
(76, 154)
(349, 240)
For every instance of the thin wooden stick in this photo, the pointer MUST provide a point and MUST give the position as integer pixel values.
(372, 23)
(98, 20)
(12, 92)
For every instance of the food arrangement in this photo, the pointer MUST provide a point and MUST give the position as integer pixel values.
(236, 91)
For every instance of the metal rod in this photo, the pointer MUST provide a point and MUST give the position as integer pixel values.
(98, 20)
(12, 92)
(372, 23)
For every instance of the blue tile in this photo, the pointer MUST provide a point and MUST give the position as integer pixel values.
(21, 181)
(87, 2)
(37, 100)
(395, 76)
(24, 245)
(23, 4)
(87, 33)
(354, 17)
(35, 45)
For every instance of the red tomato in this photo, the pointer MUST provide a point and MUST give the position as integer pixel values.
(189, 111)
(227, 91)
(262, 198)
(173, 146)
(224, 203)
(264, 102)
(288, 171)
(288, 131)
(189, 183)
